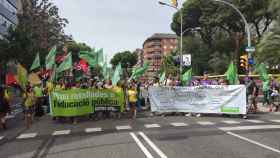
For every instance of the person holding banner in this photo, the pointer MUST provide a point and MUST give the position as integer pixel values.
(3, 108)
(132, 98)
(29, 100)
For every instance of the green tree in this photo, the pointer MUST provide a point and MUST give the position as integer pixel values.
(126, 58)
(268, 50)
(76, 47)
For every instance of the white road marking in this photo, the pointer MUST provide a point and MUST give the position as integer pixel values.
(156, 149)
(1, 137)
(254, 142)
(255, 121)
(91, 130)
(242, 128)
(63, 132)
(277, 121)
(231, 122)
(27, 135)
(179, 124)
(152, 126)
(205, 123)
(141, 146)
(123, 127)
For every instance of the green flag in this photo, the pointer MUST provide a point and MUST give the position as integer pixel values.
(262, 72)
(231, 74)
(105, 70)
(162, 77)
(186, 77)
(137, 72)
(50, 59)
(117, 74)
(66, 64)
(36, 63)
(100, 57)
(89, 57)
(53, 77)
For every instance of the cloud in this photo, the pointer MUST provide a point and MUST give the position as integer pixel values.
(115, 25)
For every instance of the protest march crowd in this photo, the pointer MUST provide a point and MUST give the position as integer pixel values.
(36, 91)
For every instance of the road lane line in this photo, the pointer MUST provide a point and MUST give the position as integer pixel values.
(123, 128)
(27, 135)
(277, 121)
(231, 122)
(92, 130)
(243, 128)
(1, 137)
(253, 142)
(255, 121)
(156, 149)
(179, 124)
(141, 146)
(63, 132)
(152, 126)
(205, 123)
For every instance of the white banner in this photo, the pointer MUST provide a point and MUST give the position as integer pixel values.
(201, 99)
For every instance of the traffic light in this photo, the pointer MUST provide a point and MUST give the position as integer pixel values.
(244, 61)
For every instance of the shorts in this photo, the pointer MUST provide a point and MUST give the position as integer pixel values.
(29, 110)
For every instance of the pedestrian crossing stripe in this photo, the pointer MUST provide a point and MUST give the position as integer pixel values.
(204, 123)
(27, 135)
(91, 130)
(255, 121)
(231, 122)
(277, 121)
(179, 124)
(152, 126)
(63, 132)
(123, 127)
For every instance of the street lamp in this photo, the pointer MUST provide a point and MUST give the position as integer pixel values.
(181, 32)
(247, 27)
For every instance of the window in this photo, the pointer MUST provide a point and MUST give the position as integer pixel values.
(8, 6)
(5, 22)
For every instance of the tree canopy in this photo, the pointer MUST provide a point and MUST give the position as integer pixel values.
(126, 58)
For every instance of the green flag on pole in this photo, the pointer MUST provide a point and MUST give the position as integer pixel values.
(186, 77)
(262, 72)
(105, 70)
(89, 57)
(162, 78)
(50, 59)
(36, 63)
(100, 57)
(137, 72)
(231, 74)
(66, 64)
(117, 75)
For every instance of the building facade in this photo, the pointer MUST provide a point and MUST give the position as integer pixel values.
(154, 48)
(8, 15)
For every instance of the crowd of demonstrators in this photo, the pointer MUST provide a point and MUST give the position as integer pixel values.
(4, 108)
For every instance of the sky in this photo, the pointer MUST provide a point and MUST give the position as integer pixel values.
(115, 25)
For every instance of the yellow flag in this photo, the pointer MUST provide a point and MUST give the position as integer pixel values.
(21, 76)
(174, 3)
(34, 79)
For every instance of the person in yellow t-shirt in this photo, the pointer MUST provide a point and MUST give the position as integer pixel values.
(29, 101)
(132, 98)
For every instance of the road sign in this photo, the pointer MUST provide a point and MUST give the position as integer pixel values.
(251, 61)
(250, 49)
(187, 60)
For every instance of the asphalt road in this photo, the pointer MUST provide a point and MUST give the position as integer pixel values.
(147, 137)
